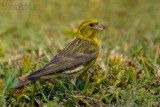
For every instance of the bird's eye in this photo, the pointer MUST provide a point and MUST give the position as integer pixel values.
(91, 24)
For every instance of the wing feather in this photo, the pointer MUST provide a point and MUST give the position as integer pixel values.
(79, 52)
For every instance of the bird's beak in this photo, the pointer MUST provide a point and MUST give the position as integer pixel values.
(100, 26)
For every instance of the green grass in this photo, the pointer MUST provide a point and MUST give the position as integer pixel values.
(126, 74)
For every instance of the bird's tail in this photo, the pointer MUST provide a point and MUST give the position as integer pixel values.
(28, 80)
(23, 83)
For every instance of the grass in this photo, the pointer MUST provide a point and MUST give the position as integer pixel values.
(126, 74)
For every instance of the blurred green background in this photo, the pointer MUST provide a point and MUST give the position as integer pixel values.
(32, 32)
(26, 25)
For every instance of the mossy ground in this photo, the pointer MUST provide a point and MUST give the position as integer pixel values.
(126, 74)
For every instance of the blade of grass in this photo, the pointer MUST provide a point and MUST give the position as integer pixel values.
(9, 80)
(107, 66)
(86, 84)
(60, 84)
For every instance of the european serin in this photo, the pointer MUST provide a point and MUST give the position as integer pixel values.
(75, 58)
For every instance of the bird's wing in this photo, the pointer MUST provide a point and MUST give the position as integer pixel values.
(79, 52)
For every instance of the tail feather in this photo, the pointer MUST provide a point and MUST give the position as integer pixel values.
(28, 80)
(22, 83)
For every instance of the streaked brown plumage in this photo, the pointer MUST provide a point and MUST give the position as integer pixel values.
(74, 59)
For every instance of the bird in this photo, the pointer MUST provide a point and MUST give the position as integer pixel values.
(76, 58)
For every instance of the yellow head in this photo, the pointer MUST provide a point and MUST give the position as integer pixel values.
(89, 28)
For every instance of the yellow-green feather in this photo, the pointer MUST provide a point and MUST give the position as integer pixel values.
(74, 59)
